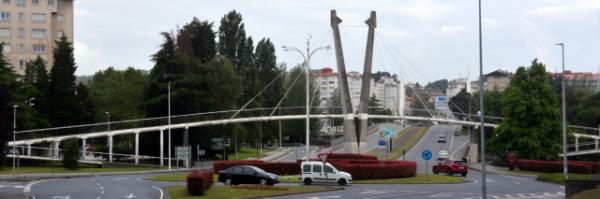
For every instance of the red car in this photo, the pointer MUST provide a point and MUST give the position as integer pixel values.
(451, 167)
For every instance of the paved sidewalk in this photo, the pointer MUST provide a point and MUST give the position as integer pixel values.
(498, 170)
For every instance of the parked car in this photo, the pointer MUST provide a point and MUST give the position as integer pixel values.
(443, 154)
(245, 174)
(451, 167)
(313, 171)
(442, 139)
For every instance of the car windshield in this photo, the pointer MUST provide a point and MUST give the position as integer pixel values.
(257, 169)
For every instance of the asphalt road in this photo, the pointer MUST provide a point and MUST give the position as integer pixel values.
(295, 153)
(455, 145)
(498, 186)
(100, 187)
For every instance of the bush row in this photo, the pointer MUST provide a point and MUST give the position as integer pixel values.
(595, 166)
(553, 166)
(349, 156)
(279, 168)
(383, 170)
(198, 182)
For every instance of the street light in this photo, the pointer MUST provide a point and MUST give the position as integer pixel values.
(169, 112)
(482, 128)
(14, 138)
(30, 101)
(110, 141)
(564, 114)
(306, 64)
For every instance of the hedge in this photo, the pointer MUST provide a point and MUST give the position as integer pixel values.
(552, 166)
(595, 166)
(198, 182)
(358, 165)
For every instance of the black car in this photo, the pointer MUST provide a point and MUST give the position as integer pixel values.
(245, 174)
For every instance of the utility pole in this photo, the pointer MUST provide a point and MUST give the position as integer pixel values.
(564, 115)
(306, 64)
(14, 139)
(169, 113)
(482, 127)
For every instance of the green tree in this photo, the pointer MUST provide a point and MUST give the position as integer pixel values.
(376, 108)
(71, 154)
(62, 89)
(587, 113)
(6, 75)
(86, 106)
(531, 113)
(121, 92)
(297, 97)
(202, 38)
(461, 103)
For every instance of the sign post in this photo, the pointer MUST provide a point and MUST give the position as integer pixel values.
(426, 155)
(183, 153)
(199, 152)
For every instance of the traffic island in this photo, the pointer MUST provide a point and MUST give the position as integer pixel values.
(246, 191)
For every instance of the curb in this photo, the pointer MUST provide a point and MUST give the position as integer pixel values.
(502, 172)
(40, 176)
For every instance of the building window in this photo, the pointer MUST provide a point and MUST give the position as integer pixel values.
(21, 33)
(61, 18)
(38, 33)
(35, 2)
(38, 18)
(21, 49)
(60, 34)
(4, 16)
(60, 2)
(4, 32)
(20, 2)
(39, 49)
(6, 48)
(6, 1)
(50, 2)
(21, 17)
(21, 63)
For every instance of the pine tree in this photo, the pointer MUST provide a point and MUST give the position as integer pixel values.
(70, 155)
(202, 39)
(61, 92)
(5, 105)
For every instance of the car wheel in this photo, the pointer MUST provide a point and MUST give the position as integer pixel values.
(263, 182)
(342, 182)
(435, 172)
(228, 181)
(464, 174)
(307, 181)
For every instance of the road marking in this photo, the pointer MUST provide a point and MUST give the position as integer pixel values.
(373, 191)
(451, 141)
(121, 178)
(459, 147)
(30, 196)
(160, 190)
(19, 186)
(61, 197)
(27, 187)
(130, 196)
(396, 195)
(439, 195)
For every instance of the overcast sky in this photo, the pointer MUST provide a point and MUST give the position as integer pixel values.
(423, 40)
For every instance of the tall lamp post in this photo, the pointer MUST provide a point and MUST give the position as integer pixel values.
(169, 112)
(306, 64)
(14, 138)
(564, 114)
(110, 140)
(482, 128)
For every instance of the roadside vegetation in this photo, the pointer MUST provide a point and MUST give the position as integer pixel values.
(406, 146)
(230, 192)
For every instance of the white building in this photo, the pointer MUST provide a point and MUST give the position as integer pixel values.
(455, 86)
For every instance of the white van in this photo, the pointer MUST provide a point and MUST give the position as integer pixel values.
(313, 171)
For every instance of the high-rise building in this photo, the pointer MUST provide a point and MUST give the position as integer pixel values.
(29, 28)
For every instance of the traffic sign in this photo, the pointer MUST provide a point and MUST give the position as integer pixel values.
(183, 152)
(200, 151)
(426, 154)
(382, 143)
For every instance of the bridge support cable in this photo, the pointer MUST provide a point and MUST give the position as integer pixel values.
(417, 94)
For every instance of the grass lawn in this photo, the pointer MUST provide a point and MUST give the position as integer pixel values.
(223, 192)
(22, 170)
(247, 153)
(397, 152)
(588, 194)
(558, 178)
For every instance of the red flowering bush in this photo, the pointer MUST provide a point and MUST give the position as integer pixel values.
(198, 182)
(553, 166)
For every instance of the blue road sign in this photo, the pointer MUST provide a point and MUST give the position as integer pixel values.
(426, 154)
(382, 143)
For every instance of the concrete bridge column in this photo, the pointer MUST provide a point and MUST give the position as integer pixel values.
(56, 147)
(83, 149)
(162, 147)
(137, 147)
(110, 148)
(29, 149)
(576, 143)
(596, 143)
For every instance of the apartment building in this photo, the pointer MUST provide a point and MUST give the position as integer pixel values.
(29, 28)
(585, 80)
(497, 80)
(455, 86)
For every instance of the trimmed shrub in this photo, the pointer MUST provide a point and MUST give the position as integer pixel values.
(594, 165)
(552, 166)
(70, 155)
(198, 182)
(382, 170)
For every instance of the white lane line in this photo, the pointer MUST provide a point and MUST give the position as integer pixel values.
(451, 140)
(160, 190)
(27, 187)
(28, 196)
(459, 147)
